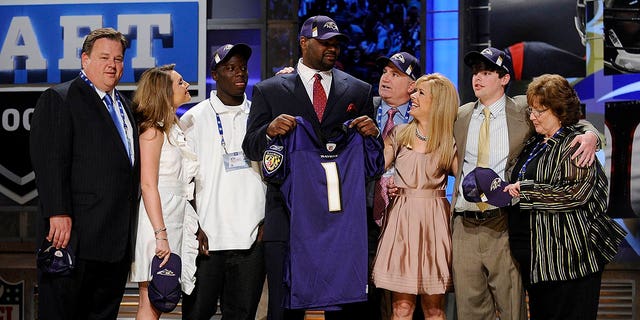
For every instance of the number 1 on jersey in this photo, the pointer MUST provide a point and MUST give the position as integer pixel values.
(333, 186)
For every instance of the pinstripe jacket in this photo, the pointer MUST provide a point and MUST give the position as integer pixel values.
(82, 170)
(571, 236)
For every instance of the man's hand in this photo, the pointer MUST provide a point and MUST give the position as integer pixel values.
(281, 125)
(392, 189)
(203, 242)
(260, 232)
(286, 70)
(586, 152)
(513, 189)
(365, 125)
(59, 230)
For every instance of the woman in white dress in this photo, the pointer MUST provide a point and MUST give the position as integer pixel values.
(166, 222)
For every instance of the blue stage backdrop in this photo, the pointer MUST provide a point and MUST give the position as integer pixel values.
(41, 44)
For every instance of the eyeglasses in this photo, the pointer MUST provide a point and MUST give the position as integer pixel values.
(535, 112)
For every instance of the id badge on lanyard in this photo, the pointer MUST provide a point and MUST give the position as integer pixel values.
(235, 161)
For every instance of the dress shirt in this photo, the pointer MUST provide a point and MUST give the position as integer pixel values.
(307, 76)
(402, 116)
(498, 142)
(128, 127)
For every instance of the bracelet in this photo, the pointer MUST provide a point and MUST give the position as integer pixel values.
(160, 230)
(161, 238)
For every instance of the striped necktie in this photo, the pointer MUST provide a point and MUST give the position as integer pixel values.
(118, 121)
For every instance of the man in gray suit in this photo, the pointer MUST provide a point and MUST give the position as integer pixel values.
(85, 154)
(487, 282)
(276, 102)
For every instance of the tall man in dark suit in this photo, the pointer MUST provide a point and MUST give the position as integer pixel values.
(275, 103)
(85, 154)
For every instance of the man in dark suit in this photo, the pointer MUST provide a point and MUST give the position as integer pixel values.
(275, 103)
(85, 154)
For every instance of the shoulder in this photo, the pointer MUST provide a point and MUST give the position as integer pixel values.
(195, 114)
(63, 89)
(568, 133)
(400, 127)
(518, 102)
(377, 101)
(58, 95)
(276, 80)
(516, 109)
(152, 135)
(198, 109)
(562, 142)
(343, 76)
(467, 107)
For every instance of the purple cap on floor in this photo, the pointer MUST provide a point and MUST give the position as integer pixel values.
(164, 289)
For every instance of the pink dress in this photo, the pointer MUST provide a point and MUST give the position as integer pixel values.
(414, 250)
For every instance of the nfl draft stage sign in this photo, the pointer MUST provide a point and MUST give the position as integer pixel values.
(40, 46)
(11, 300)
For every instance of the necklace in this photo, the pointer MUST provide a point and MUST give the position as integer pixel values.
(420, 136)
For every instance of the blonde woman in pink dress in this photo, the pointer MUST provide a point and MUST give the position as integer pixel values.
(414, 252)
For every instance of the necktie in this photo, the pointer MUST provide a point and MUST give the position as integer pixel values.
(319, 97)
(118, 121)
(380, 197)
(389, 124)
(483, 148)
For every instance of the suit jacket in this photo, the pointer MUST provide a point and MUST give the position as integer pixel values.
(348, 98)
(83, 170)
(519, 129)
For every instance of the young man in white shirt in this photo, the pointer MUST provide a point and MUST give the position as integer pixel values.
(230, 195)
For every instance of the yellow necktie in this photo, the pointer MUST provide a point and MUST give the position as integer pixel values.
(483, 148)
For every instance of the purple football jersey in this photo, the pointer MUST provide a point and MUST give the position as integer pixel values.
(323, 183)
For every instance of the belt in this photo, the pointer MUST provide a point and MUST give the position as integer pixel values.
(421, 193)
(480, 215)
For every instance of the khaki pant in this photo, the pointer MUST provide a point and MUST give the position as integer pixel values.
(486, 281)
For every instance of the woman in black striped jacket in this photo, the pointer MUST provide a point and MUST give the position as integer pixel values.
(559, 233)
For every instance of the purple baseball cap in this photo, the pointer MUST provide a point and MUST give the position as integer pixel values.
(404, 61)
(164, 288)
(484, 185)
(321, 27)
(490, 55)
(227, 51)
(55, 261)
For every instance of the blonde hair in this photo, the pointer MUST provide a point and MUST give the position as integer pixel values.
(444, 109)
(153, 99)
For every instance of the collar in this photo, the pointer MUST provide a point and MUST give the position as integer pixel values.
(403, 109)
(98, 91)
(219, 107)
(496, 108)
(306, 74)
